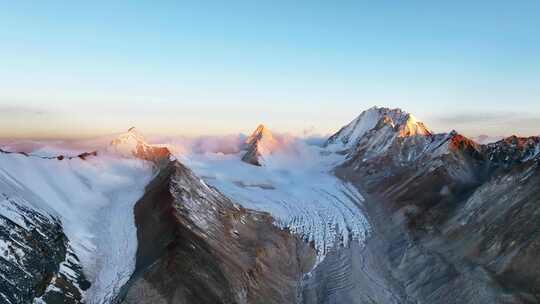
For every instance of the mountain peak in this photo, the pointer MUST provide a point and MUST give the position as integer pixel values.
(133, 144)
(401, 122)
(260, 143)
(260, 128)
(261, 133)
(413, 127)
(126, 142)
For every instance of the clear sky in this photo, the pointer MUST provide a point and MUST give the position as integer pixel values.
(79, 68)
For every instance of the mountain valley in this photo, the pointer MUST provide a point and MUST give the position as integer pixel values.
(385, 211)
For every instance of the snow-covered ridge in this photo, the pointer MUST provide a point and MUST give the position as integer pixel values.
(392, 136)
(128, 143)
(93, 197)
(514, 148)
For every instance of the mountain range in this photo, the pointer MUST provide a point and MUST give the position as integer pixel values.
(385, 211)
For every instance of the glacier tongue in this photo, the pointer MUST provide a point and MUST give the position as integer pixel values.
(296, 187)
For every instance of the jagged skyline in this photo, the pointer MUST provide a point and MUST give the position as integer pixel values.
(77, 70)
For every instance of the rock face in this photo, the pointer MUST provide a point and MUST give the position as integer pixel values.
(498, 224)
(196, 246)
(35, 262)
(462, 216)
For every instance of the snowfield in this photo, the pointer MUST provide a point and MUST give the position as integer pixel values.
(94, 199)
(296, 186)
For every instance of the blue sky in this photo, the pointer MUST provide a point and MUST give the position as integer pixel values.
(73, 68)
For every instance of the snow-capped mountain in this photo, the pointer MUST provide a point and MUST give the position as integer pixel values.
(386, 212)
(133, 144)
(398, 121)
(462, 202)
(383, 142)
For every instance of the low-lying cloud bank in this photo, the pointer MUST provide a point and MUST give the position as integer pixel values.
(181, 145)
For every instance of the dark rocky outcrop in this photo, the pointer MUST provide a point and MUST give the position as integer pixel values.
(34, 259)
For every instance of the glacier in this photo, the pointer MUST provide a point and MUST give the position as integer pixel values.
(94, 199)
(296, 186)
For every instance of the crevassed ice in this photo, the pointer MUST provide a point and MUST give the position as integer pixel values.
(296, 188)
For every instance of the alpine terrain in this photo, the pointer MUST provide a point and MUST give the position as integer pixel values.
(385, 211)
